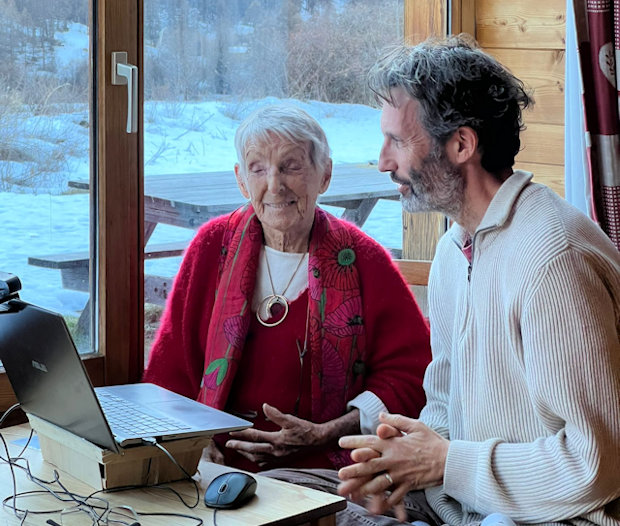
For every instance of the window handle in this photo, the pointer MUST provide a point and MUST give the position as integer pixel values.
(127, 74)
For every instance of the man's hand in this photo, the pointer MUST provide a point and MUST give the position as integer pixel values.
(269, 446)
(405, 455)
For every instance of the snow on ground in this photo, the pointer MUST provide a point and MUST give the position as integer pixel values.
(44, 217)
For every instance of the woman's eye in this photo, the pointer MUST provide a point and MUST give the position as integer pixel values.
(291, 167)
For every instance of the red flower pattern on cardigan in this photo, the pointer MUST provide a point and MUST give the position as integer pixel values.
(347, 319)
(337, 258)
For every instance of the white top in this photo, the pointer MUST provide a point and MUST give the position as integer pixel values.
(282, 266)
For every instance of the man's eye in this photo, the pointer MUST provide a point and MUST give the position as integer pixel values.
(257, 170)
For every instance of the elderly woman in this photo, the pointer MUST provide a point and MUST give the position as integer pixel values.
(288, 316)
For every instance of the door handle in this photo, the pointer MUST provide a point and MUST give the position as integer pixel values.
(127, 74)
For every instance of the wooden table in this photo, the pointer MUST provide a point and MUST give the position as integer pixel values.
(189, 200)
(275, 503)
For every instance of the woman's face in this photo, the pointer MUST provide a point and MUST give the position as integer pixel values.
(283, 185)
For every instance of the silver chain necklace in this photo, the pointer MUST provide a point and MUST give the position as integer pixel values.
(269, 302)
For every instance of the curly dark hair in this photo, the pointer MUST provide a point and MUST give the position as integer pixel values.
(457, 85)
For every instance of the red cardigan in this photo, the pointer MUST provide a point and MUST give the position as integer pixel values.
(397, 334)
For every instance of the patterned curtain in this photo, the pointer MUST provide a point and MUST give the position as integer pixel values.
(596, 22)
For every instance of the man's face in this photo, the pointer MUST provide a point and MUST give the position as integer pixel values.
(427, 180)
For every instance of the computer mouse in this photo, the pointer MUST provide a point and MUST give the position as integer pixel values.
(230, 490)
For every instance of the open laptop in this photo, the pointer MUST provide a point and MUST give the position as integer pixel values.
(50, 381)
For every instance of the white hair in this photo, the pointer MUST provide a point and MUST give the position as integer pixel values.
(288, 122)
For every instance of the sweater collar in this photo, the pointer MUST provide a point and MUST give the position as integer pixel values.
(499, 208)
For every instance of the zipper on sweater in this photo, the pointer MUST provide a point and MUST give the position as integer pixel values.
(473, 241)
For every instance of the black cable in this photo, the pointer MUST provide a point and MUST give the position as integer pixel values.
(7, 413)
(96, 510)
(174, 461)
(8, 460)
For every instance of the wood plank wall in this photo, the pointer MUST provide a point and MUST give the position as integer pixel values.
(421, 231)
(528, 36)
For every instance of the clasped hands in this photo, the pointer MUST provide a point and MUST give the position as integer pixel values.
(404, 455)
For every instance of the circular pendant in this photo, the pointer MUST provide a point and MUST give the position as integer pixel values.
(276, 307)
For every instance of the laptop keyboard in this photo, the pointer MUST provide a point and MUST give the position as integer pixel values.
(130, 420)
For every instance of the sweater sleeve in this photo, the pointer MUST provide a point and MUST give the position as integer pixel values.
(176, 359)
(397, 333)
(370, 406)
(571, 351)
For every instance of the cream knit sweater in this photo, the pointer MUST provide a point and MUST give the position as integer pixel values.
(525, 378)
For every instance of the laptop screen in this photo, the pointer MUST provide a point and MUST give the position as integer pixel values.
(46, 372)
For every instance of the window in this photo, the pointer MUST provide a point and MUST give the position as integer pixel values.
(57, 128)
(63, 121)
(209, 64)
(45, 142)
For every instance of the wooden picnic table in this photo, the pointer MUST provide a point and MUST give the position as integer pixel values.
(190, 199)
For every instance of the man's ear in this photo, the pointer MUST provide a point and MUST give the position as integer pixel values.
(462, 146)
(241, 181)
(326, 177)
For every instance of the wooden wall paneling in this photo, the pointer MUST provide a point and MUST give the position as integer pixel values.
(462, 17)
(551, 175)
(424, 18)
(528, 37)
(542, 143)
(421, 231)
(521, 23)
(7, 397)
(542, 70)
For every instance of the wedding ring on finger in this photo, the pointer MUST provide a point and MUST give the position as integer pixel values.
(389, 479)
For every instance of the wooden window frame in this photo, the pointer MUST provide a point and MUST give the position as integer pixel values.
(116, 173)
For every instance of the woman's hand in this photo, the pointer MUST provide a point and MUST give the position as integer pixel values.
(294, 435)
(268, 446)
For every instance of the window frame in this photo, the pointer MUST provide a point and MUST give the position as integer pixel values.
(117, 237)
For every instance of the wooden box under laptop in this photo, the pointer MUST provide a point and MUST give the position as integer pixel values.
(104, 469)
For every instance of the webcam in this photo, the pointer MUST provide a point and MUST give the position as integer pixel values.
(9, 287)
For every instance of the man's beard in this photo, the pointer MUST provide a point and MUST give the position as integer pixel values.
(438, 186)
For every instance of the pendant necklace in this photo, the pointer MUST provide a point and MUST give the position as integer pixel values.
(274, 304)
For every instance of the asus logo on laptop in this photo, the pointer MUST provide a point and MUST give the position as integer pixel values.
(40, 366)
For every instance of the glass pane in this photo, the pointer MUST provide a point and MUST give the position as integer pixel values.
(209, 63)
(44, 144)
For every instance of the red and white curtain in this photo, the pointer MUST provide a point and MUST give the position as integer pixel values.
(597, 25)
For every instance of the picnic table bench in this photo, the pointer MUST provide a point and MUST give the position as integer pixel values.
(74, 266)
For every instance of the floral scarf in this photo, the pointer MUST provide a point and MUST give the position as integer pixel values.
(336, 334)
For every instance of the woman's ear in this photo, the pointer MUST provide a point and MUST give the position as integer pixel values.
(241, 181)
(326, 176)
(462, 146)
